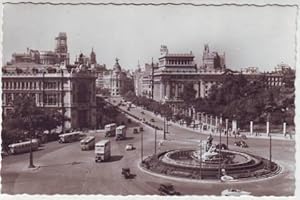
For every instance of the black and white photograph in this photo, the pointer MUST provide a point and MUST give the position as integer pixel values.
(149, 98)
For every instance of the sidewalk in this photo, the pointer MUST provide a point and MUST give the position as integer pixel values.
(276, 136)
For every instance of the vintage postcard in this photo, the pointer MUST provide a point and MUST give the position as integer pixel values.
(165, 98)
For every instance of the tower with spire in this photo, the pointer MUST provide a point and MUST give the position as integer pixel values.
(93, 60)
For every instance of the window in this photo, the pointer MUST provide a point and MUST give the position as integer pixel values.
(50, 99)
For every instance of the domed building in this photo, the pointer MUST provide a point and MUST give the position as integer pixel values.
(114, 79)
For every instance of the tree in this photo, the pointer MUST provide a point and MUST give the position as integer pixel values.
(26, 117)
(189, 92)
(128, 85)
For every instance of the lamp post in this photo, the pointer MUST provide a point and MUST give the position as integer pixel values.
(270, 153)
(200, 158)
(31, 165)
(164, 127)
(142, 146)
(220, 155)
(155, 138)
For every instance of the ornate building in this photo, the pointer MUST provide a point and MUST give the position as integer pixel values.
(175, 71)
(58, 56)
(72, 92)
(212, 60)
(114, 79)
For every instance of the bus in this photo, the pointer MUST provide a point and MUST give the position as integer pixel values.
(110, 129)
(102, 150)
(87, 143)
(23, 147)
(121, 132)
(69, 137)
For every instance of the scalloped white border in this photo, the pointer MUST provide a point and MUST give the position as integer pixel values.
(215, 2)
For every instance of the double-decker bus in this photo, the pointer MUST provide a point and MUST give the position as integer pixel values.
(69, 137)
(121, 132)
(24, 147)
(110, 129)
(87, 143)
(102, 150)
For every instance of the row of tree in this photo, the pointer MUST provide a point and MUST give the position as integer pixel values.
(245, 100)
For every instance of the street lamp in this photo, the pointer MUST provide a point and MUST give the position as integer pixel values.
(270, 153)
(220, 154)
(155, 138)
(142, 146)
(200, 158)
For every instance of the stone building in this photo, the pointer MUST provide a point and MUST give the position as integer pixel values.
(58, 56)
(212, 60)
(176, 70)
(113, 80)
(72, 92)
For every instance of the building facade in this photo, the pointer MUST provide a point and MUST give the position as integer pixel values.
(73, 93)
(113, 80)
(58, 56)
(176, 70)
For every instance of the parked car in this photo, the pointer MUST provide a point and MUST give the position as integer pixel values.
(241, 143)
(234, 192)
(129, 147)
(142, 112)
(167, 189)
(135, 131)
(152, 120)
(141, 129)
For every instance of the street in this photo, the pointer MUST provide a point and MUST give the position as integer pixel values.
(65, 169)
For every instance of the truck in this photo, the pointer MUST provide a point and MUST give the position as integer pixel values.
(102, 151)
(121, 132)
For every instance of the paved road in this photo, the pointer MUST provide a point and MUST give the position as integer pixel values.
(65, 169)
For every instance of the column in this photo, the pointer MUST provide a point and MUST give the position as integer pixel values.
(284, 128)
(161, 91)
(176, 90)
(268, 128)
(168, 90)
(234, 125)
(211, 121)
(216, 122)
(251, 127)
(226, 124)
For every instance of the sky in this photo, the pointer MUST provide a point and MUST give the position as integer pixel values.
(250, 36)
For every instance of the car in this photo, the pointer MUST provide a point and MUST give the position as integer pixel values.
(244, 137)
(167, 189)
(234, 192)
(135, 131)
(223, 146)
(142, 112)
(241, 143)
(141, 129)
(152, 120)
(126, 172)
(129, 147)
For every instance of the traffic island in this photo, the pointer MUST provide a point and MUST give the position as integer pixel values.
(212, 165)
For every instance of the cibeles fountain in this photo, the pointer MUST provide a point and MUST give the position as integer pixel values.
(209, 162)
